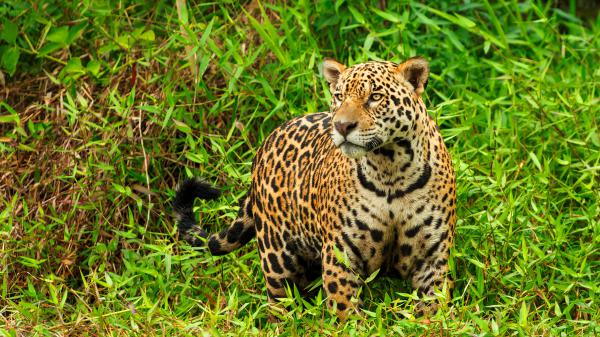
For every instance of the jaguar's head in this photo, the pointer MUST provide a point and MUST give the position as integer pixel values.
(374, 103)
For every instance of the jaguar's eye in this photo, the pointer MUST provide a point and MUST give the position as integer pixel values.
(375, 97)
(339, 96)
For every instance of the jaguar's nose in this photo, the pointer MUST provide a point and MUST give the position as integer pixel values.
(344, 128)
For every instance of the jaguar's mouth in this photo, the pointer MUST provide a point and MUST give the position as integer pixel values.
(352, 150)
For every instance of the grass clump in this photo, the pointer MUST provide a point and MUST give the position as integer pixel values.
(107, 105)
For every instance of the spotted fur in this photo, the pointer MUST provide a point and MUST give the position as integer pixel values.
(368, 185)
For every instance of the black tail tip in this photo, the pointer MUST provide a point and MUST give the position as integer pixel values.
(192, 188)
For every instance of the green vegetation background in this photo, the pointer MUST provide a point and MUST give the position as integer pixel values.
(106, 105)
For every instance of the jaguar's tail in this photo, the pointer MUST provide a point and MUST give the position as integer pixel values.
(231, 238)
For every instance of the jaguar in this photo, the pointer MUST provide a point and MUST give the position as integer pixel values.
(367, 186)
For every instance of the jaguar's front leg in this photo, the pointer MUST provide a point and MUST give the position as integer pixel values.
(431, 275)
(340, 282)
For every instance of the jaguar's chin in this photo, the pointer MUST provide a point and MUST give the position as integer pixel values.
(351, 150)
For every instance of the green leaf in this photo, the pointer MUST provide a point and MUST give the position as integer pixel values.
(483, 324)
(182, 11)
(168, 265)
(59, 35)
(75, 32)
(372, 276)
(148, 35)
(206, 32)
(125, 41)
(535, 160)
(93, 67)
(523, 315)
(486, 46)
(477, 263)
(464, 22)
(49, 48)
(557, 310)
(393, 17)
(109, 281)
(495, 327)
(10, 58)
(72, 69)
(121, 189)
(10, 31)
(126, 235)
(341, 257)
(13, 117)
(356, 14)
(368, 42)
(182, 126)
(9, 119)
(31, 262)
(268, 33)
(195, 157)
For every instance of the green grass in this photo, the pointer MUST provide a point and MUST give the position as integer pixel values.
(108, 104)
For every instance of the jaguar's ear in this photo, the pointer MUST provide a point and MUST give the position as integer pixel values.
(416, 71)
(332, 70)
